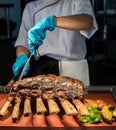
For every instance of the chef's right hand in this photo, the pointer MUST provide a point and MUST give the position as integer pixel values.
(37, 33)
(19, 64)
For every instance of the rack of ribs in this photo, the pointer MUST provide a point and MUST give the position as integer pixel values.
(43, 94)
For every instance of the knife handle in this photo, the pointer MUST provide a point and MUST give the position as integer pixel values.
(37, 55)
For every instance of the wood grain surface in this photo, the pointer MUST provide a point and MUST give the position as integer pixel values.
(29, 122)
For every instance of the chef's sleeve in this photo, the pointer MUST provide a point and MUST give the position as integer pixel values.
(85, 7)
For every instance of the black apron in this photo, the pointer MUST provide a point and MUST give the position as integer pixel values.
(44, 65)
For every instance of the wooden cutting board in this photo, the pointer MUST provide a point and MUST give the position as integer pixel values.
(27, 122)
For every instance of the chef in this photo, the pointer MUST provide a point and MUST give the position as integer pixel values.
(56, 29)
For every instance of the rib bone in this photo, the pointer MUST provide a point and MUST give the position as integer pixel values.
(40, 107)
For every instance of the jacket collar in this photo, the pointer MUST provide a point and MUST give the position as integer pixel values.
(44, 3)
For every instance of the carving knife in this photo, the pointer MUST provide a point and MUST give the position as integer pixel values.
(36, 56)
(21, 72)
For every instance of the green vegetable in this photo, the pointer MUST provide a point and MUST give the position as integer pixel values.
(83, 119)
(94, 117)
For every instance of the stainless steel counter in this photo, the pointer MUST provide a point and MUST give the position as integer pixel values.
(102, 89)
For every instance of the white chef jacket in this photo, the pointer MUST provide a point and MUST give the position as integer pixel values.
(60, 44)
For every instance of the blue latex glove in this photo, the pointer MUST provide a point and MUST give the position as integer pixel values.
(19, 64)
(38, 32)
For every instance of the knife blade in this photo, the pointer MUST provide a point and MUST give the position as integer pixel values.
(24, 68)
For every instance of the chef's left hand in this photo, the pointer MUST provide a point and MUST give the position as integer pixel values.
(19, 64)
(38, 32)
